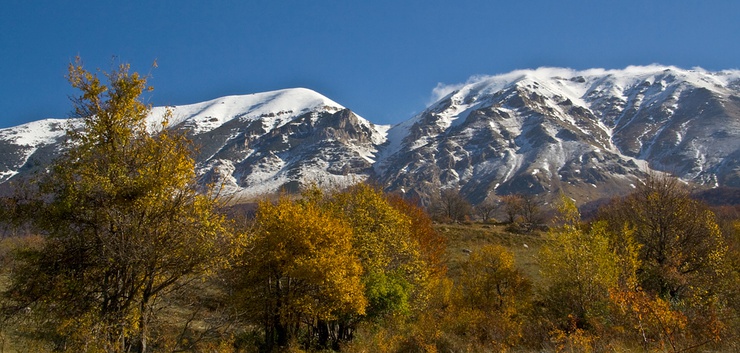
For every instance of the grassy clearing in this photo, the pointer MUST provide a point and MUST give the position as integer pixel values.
(466, 238)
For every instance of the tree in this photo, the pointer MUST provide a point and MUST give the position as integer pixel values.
(300, 271)
(432, 245)
(485, 209)
(682, 256)
(493, 293)
(376, 253)
(512, 206)
(530, 210)
(580, 268)
(681, 246)
(451, 206)
(122, 220)
(395, 268)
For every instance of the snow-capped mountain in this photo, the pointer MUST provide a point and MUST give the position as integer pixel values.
(260, 143)
(26, 147)
(589, 134)
(247, 145)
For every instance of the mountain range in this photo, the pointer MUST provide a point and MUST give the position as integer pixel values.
(589, 134)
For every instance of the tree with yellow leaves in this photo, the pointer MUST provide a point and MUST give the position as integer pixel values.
(682, 249)
(493, 296)
(396, 268)
(122, 220)
(580, 268)
(299, 272)
(682, 256)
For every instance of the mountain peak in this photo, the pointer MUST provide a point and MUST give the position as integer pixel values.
(588, 133)
(549, 129)
(276, 106)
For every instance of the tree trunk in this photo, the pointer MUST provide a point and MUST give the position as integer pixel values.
(323, 328)
(282, 334)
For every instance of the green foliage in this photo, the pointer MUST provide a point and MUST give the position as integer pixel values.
(122, 219)
(387, 294)
(387, 247)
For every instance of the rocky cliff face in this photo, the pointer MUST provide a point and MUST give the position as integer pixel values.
(589, 134)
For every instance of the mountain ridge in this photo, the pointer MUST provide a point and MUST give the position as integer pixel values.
(589, 133)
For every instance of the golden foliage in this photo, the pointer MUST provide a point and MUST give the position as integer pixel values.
(580, 269)
(396, 270)
(299, 265)
(123, 222)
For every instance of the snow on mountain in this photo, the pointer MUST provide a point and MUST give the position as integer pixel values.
(260, 143)
(272, 108)
(19, 144)
(589, 133)
(247, 145)
(561, 130)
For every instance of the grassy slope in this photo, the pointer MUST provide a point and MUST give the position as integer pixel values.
(470, 237)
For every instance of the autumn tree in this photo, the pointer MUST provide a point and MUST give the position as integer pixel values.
(531, 210)
(396, 270)
(682, 254)
(122, 222)
(485, 209)
(512, 205)
(318, 267)
(431, 244)
(299, 272)
(681, 244)
(493, 295)
(580, 269)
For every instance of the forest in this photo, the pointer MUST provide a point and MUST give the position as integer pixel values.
(117, 249)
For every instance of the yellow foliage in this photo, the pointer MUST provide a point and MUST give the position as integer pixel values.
(123, 219)
(652, 321)
(580, 268)
(299, 264)
(386, 245)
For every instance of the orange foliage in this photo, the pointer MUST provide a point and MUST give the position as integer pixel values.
(433, 246)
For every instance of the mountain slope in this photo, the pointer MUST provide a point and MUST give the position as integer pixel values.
(247, 145)
(553, 130)
(589, 134)
(259, 143)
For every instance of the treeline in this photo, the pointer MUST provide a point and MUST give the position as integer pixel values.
(126, 254)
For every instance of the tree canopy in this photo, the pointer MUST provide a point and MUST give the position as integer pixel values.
(122, 221)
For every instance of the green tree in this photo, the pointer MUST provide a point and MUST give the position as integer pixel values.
(122, 220)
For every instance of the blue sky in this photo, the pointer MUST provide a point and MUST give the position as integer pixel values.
(380, 58)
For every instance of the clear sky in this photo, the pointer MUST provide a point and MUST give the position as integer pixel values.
(382, 59)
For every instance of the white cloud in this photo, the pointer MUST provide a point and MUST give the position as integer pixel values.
(442, 90)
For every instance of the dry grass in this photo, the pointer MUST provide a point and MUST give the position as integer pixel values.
(466, 238)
